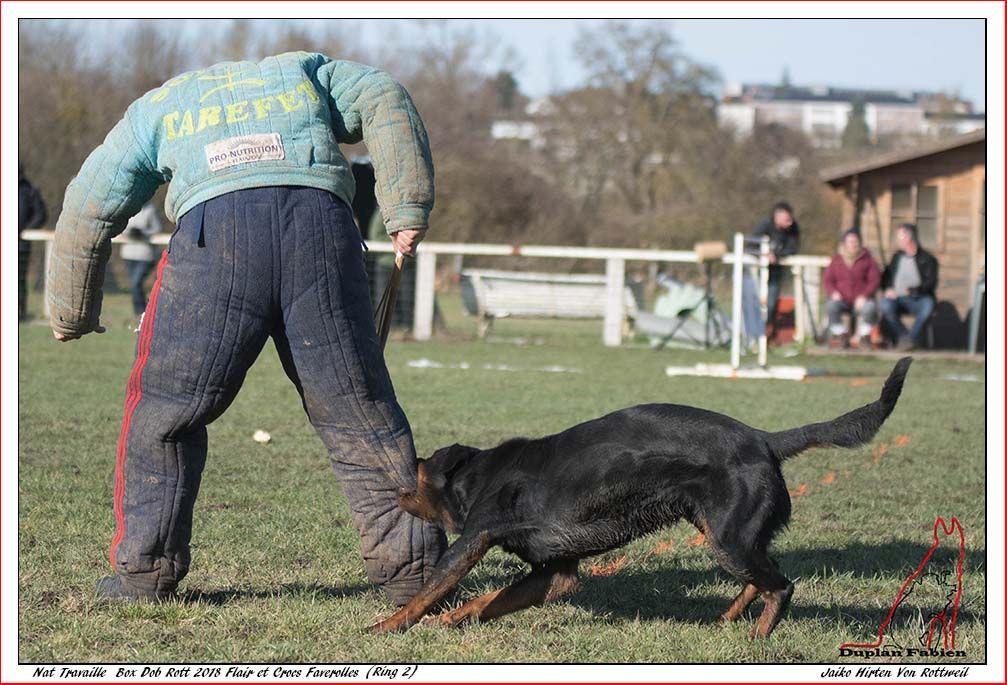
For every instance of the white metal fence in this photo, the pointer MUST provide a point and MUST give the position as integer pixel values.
(805, 270)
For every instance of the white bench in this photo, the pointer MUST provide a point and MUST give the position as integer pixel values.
(492, 294)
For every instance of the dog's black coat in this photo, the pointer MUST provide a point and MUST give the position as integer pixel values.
(600, 484)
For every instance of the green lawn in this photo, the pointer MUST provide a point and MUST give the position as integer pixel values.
(276, 572)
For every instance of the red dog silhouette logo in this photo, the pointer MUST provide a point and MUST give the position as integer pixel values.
(935, 588)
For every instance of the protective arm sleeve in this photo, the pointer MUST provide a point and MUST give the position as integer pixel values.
(115, 181)
(367, 104)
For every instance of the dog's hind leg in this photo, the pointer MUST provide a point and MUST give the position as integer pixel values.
(776, 591)
(739, 604)
(546, 583)
(761, 577)
(724, 550)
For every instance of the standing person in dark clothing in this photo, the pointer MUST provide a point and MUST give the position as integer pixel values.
(910, 284)
(31, 213)
(784, 240)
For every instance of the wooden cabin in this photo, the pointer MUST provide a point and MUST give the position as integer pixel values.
(939, 186)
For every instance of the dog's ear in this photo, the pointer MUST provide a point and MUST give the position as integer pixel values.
(439, 468)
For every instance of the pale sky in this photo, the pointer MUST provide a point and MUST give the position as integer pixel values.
(946, 55)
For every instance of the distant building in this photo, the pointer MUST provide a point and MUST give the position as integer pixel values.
(505, 129)
(940, 187)
(822, 112)
(528, 128)
(941, 124)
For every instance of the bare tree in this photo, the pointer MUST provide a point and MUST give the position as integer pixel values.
(237, 42)
(633, 156)
(627, 141)
(640, 149)
(151, 54)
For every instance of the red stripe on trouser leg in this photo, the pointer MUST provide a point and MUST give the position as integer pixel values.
(133, 394)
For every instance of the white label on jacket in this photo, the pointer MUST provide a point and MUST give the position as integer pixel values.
(221, 154)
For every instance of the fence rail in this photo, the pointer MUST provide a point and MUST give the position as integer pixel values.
(805, 269)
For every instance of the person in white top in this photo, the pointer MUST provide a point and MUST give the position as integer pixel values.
(140, 254)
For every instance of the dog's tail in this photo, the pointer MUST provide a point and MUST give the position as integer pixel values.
(849, 430)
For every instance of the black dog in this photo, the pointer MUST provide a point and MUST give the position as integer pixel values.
(594, 487)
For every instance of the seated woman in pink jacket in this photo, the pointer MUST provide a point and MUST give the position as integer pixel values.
(851, 282)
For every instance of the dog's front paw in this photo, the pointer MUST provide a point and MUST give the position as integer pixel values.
(445, 619)
(391, 624)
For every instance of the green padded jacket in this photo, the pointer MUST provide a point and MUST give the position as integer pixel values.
(237, 125)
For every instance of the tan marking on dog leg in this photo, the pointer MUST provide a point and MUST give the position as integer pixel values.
(776, 603)
(536, 589)
(470, 609)
(739, 604)
(456, 562)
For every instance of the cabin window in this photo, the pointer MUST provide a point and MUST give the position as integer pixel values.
(917, 204)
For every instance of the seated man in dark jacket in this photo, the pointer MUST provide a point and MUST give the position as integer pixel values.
(909, 284)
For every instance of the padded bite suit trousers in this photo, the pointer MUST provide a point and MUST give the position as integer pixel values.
(279, 262)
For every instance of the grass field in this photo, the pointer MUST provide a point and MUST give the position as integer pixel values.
(276, 572)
